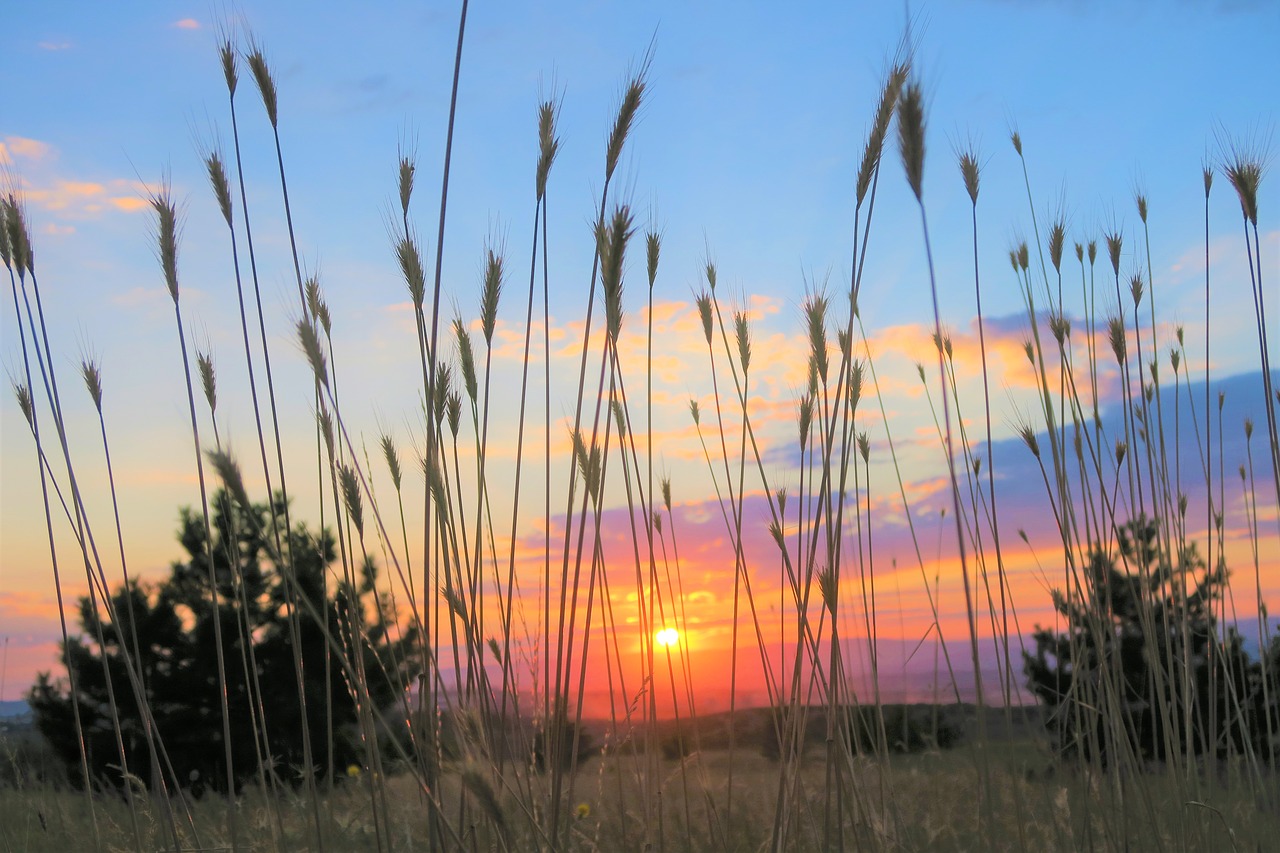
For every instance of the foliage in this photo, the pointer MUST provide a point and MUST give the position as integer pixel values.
(1142, 672)
(168, 631)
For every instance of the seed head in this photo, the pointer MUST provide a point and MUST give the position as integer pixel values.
(1135, 288)
(466, 359)
(167, 239)
(221, 187)
(1028, 436)
(1024, 256)
(262, 76)
(23, 393)
(806, 419)
(864, 447)
(1016, 139)
(666, 493)
(611, 242)
(653, 247)
(309, 338)
(351, 497)
(1093, 251)
(393, 459)
(1244, 165)
(404, 180)
(627, 110)
(911, 136)
(1119, 346)
(1057, 238)
(704, 313)
(208, 379)
(1141, 201)
(1114, 242)
(411, 268)
(548, 143)
(695, 412)
(742, 334)
(491, 292)
(885, 107)
(229, 472)
(969, 170)
(230, 71)
(92, 381)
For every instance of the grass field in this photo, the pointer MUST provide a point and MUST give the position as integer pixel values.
(464, 666)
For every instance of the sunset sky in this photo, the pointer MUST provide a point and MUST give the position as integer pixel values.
(744, 155)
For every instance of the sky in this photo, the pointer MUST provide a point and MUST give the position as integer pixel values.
(744, 156)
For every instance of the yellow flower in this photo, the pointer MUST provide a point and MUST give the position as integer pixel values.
(583, 810)
(353, 771)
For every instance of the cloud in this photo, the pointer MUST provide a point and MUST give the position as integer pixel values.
(55, 230)
(186, 24)
(54, 45)
(27, 149)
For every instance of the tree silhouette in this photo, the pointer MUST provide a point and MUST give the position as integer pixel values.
(1142, 672)
(175, 660)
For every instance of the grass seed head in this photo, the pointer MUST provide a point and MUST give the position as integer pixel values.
(92, 381)
(309, 338)
(1093, 252)
(229, 472)
(1208, 180)
(970, 170)
(653, 248)
(324, 420)
(1024, 256)
(1141, 201)
(911, 136)
(262, 76)
(703, 302)
(742, 334)
(632, 97)
(1135, 288)
(1080, 253)
(466, 359)
(1016, 139)
(23, 395)
(208, 379)
(404, 181)
(885, 108)
(410, 260)
(864, 447)
(1244, 164)
(806, 420)
(611, 243)
(1119, 345)
(351, 497)
(17, 237)
(221, 186)
(167, 239)
(441, 391)
(393, 459)
(494, 273)
(666, 492)
(548, 143)
(1114, 243)
(1057, 239)
(695, 413)
(230, 65)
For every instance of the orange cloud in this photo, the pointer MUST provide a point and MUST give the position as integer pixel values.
(186, 24)
(20, 146)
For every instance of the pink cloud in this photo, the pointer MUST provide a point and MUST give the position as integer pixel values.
(186, 24)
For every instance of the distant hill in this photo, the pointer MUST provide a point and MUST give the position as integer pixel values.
(14, 709)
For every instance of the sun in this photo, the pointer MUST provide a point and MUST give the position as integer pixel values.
(668, 637)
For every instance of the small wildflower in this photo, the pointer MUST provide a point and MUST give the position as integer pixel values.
(582, 811)
(353, 771)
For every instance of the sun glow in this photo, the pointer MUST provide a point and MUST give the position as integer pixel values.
(668, 637)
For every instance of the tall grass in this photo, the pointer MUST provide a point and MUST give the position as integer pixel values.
(489, 744)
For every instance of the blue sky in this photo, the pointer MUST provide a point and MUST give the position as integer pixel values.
(745, 154)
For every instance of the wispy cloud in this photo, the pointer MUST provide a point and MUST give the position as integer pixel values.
(54, 45)
(186, 24)
(27, 149)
